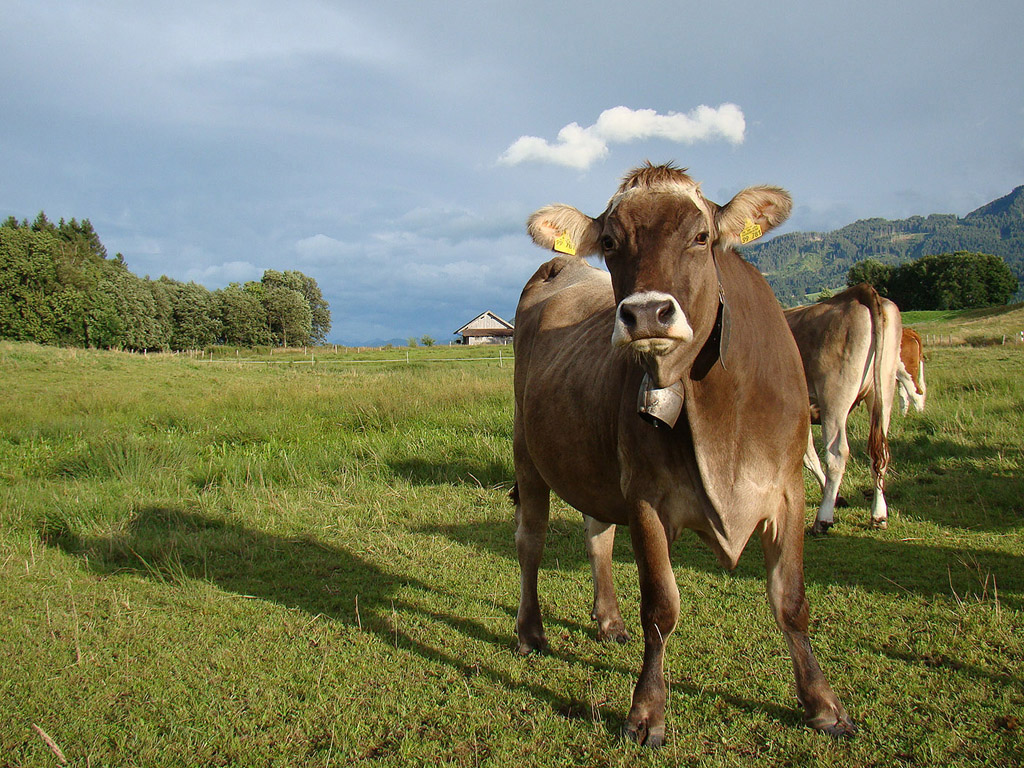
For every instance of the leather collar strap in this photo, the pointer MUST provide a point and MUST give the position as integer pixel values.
(723, 322)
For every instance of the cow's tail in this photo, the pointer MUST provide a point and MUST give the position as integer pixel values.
(878, 444)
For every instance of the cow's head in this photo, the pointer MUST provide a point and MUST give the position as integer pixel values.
(658, 237)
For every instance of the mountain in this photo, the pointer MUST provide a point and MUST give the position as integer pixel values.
(797, 264)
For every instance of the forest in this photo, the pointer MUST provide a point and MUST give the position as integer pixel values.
(58, 286)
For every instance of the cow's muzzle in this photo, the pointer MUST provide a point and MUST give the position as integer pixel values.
(651, 322)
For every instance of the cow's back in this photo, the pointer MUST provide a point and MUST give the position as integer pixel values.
(569, 384)
(835, 342)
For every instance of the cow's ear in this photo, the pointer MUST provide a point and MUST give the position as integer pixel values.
(752, 213)
(564, 229)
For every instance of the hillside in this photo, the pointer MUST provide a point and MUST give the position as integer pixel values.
(977, 327)
(800, 263)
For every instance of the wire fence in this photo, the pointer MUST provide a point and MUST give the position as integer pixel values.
(312, 360)
(967, 339)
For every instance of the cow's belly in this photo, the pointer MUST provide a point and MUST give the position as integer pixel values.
(576, 460)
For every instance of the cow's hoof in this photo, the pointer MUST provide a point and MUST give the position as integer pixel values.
(879, 523)
(614, 633)
(644, 735)
(820, 527)
(532, 645)
(841, 728)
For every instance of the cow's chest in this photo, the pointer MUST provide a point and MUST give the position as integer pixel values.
(659, 467)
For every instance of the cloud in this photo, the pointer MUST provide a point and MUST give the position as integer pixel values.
(580, 148)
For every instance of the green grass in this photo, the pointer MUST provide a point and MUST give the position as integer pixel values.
(312, 565)
(976, 327)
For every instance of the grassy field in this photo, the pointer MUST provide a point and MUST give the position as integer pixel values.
(977, 327)
(312, 565)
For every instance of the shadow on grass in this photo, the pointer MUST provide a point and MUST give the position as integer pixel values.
(929, 473)
(950, 664)
(869, 562)
(955, 485)
(174, 546)
(458, 471)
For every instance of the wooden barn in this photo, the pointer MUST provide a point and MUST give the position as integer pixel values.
(485, 328)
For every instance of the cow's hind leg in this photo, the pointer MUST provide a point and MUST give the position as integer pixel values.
(837, 451)
(782, 542)
(659, 611)
(878, 448)
(812, 462)
(532, 500)
(600, 540)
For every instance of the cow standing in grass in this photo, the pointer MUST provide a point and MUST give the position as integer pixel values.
(911, 385)
(683, 329)
(850, 347)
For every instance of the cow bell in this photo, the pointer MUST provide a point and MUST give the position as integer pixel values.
(660, 407)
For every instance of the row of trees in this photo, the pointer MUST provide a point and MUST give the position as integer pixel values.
(57, 286)
(958, 280)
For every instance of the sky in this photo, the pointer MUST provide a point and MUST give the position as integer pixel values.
(393, 150)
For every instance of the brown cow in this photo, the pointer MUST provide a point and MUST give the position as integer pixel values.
(849, 345)
(679, 326)
(910, 372)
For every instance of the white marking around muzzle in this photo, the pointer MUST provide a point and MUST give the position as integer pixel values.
(668, 335)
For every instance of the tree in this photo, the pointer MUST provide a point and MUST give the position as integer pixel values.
(163, 312)
(27, 279)
(960, 280)
(195, 323)
(57, 286)
(243, 316)
(288, 316)
(873, 272)
(319, 311)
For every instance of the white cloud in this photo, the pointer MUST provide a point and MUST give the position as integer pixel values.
(580, 148)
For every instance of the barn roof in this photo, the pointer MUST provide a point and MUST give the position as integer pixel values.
(487, 332)
(486, 321)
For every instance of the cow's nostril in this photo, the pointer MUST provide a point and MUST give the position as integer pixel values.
(627, 317)
(665, 313)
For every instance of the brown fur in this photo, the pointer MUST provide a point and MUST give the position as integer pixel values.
(648, 176)
(730, 467)
(848, 344)
(912, 355)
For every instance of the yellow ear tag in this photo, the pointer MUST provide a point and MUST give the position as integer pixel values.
(564, 245)
(751, 231)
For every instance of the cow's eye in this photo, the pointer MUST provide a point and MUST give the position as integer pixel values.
(701, 239)
(607, 243)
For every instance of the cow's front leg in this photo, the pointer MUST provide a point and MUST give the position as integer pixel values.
(782, 543)
(532, 500)
(600, 541)
(659, 611)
